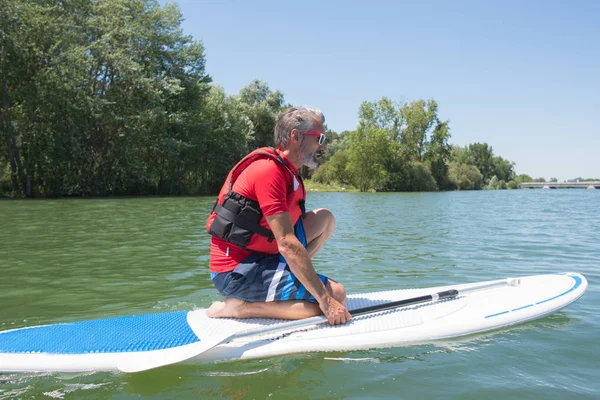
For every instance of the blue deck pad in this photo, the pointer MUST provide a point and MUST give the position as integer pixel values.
(112, 335)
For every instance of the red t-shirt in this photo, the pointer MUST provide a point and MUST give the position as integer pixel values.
(269, 184)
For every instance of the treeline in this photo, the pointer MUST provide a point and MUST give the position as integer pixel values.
(406, 147)
(110, 97)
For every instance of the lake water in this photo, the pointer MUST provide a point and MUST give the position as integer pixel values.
(71, 260)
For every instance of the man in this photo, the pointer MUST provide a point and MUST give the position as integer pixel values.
(263, 240)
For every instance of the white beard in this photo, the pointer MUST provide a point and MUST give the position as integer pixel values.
(309, 159)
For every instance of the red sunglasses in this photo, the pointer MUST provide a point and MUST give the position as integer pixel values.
(321, 136)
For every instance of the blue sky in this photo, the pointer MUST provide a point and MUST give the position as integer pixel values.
(523, 76)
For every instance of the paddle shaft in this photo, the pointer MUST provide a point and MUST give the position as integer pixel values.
(301, 323)
(403, 303)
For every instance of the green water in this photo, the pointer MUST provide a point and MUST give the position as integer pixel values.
(69, 260)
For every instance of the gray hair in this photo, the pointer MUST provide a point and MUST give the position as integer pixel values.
(302, 118)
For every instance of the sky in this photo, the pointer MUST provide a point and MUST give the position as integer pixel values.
(522, 76)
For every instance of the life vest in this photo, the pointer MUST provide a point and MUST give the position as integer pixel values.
(236, 218)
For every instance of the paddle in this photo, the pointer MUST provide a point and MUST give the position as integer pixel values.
(158, 358)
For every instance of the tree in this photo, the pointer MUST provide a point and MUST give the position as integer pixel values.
(420, 117)
(503, 169)
(415, 135)
(523, 178)
(336, 142)
(481, 156)
(419, 178)
(464, 176)
(335, 170)
(439, 154)
(229, 131)
(460, 154)
(99, 97)
(493, 183)
(262, 107)
(369, 152)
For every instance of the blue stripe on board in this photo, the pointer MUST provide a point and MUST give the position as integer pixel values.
(577, 283)
(112, 335)
(520, 308)
(494, 315)
(577, 280)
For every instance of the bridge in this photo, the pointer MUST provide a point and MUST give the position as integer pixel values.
(560, 185)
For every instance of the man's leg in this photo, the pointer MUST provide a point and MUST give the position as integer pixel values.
(318, 227)
(286, 309)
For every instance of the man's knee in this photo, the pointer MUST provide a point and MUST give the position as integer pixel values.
(326, 219)
(318, 223)
(326, 215)
(338, 291)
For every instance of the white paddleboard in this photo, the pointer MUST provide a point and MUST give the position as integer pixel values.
(108, 343)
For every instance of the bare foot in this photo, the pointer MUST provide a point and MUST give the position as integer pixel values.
(230, 308)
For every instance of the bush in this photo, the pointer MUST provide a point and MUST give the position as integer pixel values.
(493, 183)
(420, 178)
(512, 185)
(464, 176)
(334, 170)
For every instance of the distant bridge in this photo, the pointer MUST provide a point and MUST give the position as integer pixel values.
(560, 185)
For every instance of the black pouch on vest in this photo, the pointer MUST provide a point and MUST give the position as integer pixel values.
(237, 220)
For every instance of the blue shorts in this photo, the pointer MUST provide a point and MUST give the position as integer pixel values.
(265, 278)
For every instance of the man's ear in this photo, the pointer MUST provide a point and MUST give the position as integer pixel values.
(295, 134)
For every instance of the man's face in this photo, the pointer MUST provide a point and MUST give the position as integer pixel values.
(310, 148)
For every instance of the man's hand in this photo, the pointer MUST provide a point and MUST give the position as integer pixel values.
(335, 311)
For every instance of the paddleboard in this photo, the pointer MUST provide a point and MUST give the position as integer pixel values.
(107, 344)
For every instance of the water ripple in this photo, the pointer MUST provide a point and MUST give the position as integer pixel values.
(67, 260)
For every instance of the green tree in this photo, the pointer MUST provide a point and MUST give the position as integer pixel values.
(481, 156)
(99, 97)
(512, 185)
(420, 117)
(262, 107)
(335, 170)
(336, 142)
(493, 183)
(438, 154)
(369, 152)
(523, 178)
(503, 169)
(415, 135)
(419, 178)
(464, 176)
(229, 131)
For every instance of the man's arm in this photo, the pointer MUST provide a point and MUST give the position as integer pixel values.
(300, 264)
